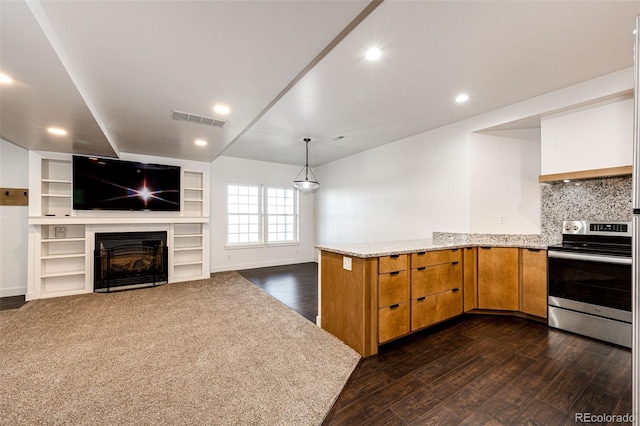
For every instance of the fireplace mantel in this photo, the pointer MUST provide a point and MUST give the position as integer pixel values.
(107, 220)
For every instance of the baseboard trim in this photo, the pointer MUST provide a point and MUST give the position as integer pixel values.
(13, 291)
(264, 264)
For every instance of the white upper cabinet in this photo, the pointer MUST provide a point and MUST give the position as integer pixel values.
(596, 136)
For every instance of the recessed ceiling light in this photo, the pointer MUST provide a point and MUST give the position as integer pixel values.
(221, 109)
(5, 79)
(373, 54)
(462, 98)
(57, 131)
(201, 142)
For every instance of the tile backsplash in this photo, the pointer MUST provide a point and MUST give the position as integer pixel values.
(598, 199)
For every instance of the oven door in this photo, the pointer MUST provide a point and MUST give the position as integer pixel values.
(577, 279)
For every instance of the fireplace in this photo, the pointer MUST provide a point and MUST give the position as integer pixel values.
(125, 260)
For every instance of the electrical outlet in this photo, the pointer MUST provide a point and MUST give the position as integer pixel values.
(60, 231)
(502, 220)
(346, 263)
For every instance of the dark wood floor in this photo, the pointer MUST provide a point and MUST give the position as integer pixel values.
(482, 369)
(12, 302)
(294, 285)
(473, 370)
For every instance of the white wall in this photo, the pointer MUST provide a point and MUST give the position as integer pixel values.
(505, 166)
(592, 137)
(14, 173)
(412, 187)
(404, 190)
(235, 170)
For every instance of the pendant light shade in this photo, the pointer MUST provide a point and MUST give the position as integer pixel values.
(306, 181)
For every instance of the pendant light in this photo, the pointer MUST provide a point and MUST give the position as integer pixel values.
(306, 184)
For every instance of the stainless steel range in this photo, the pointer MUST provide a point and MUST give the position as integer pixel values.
(589, 281)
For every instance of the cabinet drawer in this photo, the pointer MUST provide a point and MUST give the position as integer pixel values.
(393, 322)
(396, 262)
(435, 308)
(427, 258)
(428, 280)
(393, 288)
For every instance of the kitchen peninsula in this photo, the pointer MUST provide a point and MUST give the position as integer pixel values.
(373, 293)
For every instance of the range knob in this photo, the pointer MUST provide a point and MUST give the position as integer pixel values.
(567, 227)
(575, 227)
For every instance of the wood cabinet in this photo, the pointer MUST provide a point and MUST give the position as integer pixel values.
(380, 299)
(498, 278)
(393, 297)
(436, 287)
(534, 282)
(470, 278)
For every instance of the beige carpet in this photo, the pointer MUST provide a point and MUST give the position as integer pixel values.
(210, 352)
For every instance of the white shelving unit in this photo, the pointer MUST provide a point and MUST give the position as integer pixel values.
(62, 260)
(61, 240)
(193, 193)
(55, 192)
(188, 251)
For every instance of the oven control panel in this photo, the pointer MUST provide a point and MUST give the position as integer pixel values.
(585, 227)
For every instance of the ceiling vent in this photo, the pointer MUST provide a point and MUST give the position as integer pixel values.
(192, 118)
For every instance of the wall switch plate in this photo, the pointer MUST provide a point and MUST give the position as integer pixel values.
(502, 220)
(346, 263)
(60, 231)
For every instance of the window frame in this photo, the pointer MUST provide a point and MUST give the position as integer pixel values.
(296, 217)
(259, 223)
(263, 217)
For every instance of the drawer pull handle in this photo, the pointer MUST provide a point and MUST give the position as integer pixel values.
(394, 256)
(394, 273)
(420, 299)
(485, 248)
(422, 268)
(454, 263)
(455, 289)
(454, 249)
(534, 250)
(394, 306)
(421, 253)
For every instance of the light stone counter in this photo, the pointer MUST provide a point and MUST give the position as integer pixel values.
(440, 241)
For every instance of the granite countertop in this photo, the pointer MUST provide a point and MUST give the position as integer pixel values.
(440, 241)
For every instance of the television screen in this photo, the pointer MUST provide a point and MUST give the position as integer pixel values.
(107, 184)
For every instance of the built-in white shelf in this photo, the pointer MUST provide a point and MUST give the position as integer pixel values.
(62, 274)
(62, 256)
(64, 181)
(188, 251)
(193, 193)
(187, 263)
(61, 239)
(55, 187)
(187, 248)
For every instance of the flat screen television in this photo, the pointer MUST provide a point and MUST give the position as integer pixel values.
(108, 184)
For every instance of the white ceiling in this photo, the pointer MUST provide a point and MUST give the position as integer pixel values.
(111, 72)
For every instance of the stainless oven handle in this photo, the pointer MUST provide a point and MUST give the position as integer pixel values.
(590, 257)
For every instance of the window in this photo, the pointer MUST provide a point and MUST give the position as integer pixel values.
(243, 211)
(281, 215)
(257, 217)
